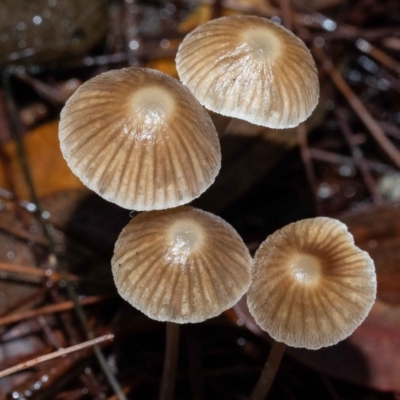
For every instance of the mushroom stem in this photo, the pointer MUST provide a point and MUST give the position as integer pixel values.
(269, 371)
(221, 123)
(170, 362)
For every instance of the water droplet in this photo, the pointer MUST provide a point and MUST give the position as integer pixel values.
(21, 26)
(325, 191)
(165, 43)
(31, 207)
(368, 64)
(276, 20)
(363, 45)
(134, 45)
(347, 170)
(350, 192)
(171, 8)
(37, 19)
(329, 25)
(319, 41)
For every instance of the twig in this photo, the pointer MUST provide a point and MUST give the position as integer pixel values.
(49, 92)
(59, 353)
(378, 55)
(30, 298)
(351, 33)
(333, 158)
(358, 156)
(217, 9)
(286, 12)
(306, 157)
(359, 108)
(48, 274)
(54, 308)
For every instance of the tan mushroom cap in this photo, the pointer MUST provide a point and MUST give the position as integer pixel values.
(250, 68)
(139, 139)
(311, 286)
(181, 265)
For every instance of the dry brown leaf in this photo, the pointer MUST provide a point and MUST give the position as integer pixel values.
(49, 170)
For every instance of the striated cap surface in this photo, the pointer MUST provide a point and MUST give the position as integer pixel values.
(250, 68)
(311, 286)
(139, 139)
(181, 265)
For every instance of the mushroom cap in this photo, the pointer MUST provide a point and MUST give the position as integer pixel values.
(250, 68)
(311, 286)
(139, 139)
(181, 265)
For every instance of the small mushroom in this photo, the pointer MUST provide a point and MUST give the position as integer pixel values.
(181, 265)
(311, 286)
(250, 68)
(139, 139)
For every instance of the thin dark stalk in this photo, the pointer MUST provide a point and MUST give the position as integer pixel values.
(221, 123)
(168, 379)
(307, 161)
(17, 130)
(269, 371)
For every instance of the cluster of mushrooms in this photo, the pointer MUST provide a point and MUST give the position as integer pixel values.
(141, 139)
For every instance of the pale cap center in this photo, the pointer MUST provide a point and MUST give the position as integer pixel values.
(263, 42)
(185, 237)
(305, 268)
(152, 102)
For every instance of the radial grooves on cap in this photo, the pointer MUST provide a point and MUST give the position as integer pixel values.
(325, 304)
(180, 265)
(231, 76)
(132, 152)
